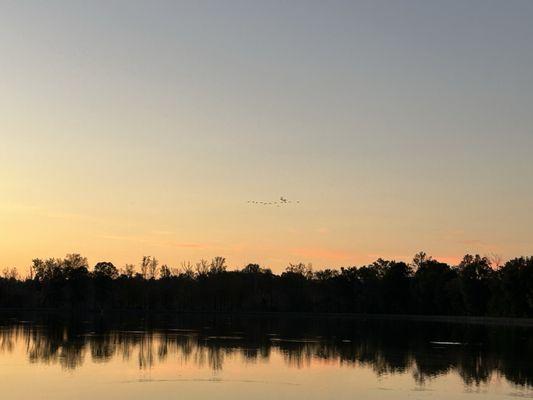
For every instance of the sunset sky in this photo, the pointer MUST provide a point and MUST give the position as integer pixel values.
(132, 129)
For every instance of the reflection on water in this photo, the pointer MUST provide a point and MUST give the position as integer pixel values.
(478, 355)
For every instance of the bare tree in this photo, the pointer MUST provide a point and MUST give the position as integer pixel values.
(187, 269)
(495, 260)
(152, 268)
(202, 267)
(10, 273)
(128, 270)
(145, 263)
(218, 265)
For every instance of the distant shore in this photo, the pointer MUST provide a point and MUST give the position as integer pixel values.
(477, 290)
(449, 319)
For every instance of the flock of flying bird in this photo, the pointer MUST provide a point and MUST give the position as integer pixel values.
(282, 201)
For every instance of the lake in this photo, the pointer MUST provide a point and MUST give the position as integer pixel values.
(260, 357)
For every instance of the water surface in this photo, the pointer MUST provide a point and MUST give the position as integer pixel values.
(229, 357)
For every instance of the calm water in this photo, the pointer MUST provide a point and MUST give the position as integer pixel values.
(225, 357)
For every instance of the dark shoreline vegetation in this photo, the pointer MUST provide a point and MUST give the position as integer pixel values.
(425, 350)
(478, 286)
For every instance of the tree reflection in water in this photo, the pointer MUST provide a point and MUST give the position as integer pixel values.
(425, 350)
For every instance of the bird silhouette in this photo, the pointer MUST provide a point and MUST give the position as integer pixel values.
(283, 201)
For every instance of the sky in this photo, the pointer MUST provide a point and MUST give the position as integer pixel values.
(133, 128)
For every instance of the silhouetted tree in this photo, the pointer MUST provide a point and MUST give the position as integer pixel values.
(474, 275)
(105, 270)
(104, 274)
(515, 288)
(433, 288)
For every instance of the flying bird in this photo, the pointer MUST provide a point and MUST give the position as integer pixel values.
(283, 201)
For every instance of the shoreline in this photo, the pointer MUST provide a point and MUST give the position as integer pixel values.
(450, 319)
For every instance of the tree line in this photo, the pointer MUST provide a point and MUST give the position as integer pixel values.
(477, 286)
